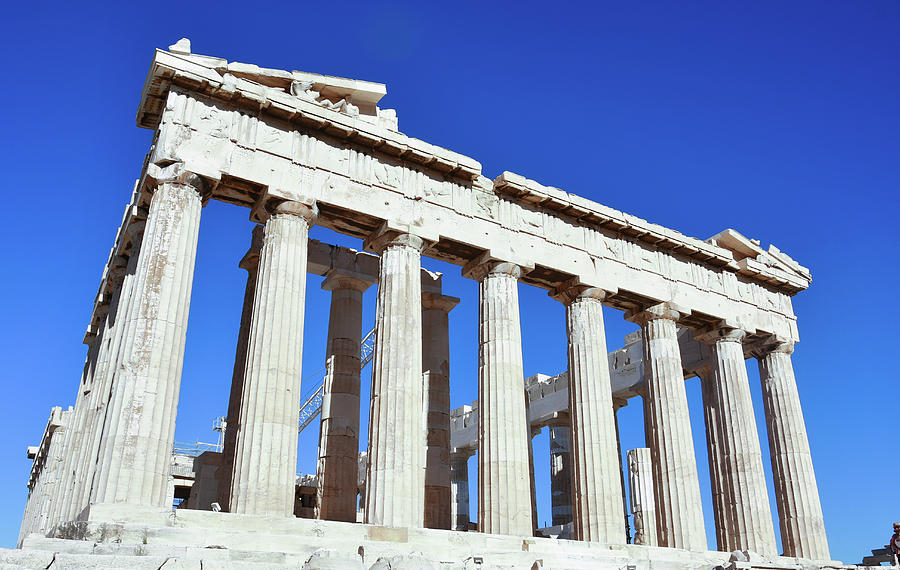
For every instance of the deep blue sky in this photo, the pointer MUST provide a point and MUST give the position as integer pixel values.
(778, 119)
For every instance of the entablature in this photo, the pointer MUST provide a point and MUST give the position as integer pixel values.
(248, 152)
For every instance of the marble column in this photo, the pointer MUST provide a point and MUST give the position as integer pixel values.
(46, 476)
(676, 486)
(250, 263)
(339, 434)
(395, 476)
(106, 409)
(138, 451)
(66, 473)
(436, 376)
(560, 474)
(713, 453)
(618, 404)
(743, 482)
(597, 477)
(796, 491)
(459, 489)
(265, 459)
(535, 431)
(643, 505)
(504, 479)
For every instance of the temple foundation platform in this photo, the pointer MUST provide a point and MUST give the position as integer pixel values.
(200, 539)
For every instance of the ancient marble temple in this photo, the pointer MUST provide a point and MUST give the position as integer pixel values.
(298, 150)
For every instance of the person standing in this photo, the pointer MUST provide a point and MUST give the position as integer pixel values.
(894, 545)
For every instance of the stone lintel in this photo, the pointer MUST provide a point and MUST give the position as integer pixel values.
(432, 281)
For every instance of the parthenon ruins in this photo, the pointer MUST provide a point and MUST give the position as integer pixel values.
(299, 149)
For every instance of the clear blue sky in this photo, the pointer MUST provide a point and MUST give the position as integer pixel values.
(778, 119)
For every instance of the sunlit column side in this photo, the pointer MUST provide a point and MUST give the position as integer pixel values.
(713, 453)
(339, 434)
(72, 436)
(395, 476)
(597, 477)
(46, 471)
(643, 504)
(679, 515)
(436, 376)
(796, 491)
(91, 420)
(265, 461)
(459, 488)
(504, 488)
(744, 496)
(108, 407)
(250, 263)
(149, 379)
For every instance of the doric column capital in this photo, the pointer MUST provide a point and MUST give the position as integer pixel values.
(573, 290)
(308, 212)
(667, 311)
(336, 279)
(721, 333)
(250, 261)
(485, 265)
(772, 344)
(385, 238)
(439, 302)
(461, 453)
(176, 174)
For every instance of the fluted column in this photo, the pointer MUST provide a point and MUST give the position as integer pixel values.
(597, 477)
(46, 476)
(561, 508)
(618, 404)
(436, 376)
(796, 491)
(713, 453)
(643, 504)
(504, 478)
(136, 463)
(459, 489)
(265, 460)
(744, 496)
(395, 478)
(107, 406)
(676, 486)
(339, 434)
(250, 263)
(72, 438)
